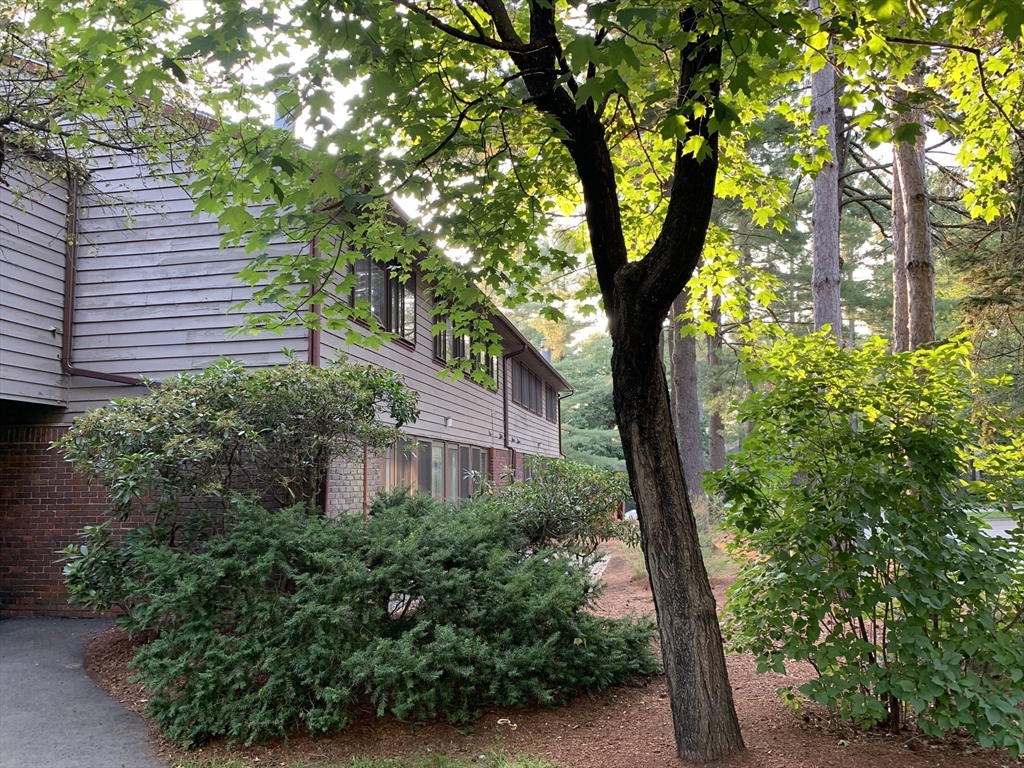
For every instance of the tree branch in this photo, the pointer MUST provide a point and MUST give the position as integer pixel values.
(457, 33)
(976, 52)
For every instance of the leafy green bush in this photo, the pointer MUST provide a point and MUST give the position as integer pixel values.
(425, 611)
(172, 460)
(574, 505)
(865, 558)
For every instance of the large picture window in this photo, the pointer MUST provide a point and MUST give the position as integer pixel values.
(444, 470)
(392, 302)
(526, 387)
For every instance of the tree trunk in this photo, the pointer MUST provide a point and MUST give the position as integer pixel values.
(900, 321)
(686, 404)
(825, 210)
(910, 197)
(637, 295)
(704, 718)
(716, 428)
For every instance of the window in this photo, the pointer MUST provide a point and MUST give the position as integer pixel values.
(444, 470)
(448, 346)
(551, 404)
(392, 302)
(526, 387)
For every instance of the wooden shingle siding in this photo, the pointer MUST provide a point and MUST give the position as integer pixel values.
(33, 214)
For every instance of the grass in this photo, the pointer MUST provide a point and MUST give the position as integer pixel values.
(491, 760)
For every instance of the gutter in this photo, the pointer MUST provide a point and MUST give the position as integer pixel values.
(70, 283)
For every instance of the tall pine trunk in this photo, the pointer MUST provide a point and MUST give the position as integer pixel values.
(900, 308)
(825, 210)
(912, 237)
(716, 427)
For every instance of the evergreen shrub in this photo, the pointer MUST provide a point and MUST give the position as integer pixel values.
(573, 505)
(173, 460)
(288, 619)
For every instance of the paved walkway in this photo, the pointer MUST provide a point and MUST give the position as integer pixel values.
(51, 714)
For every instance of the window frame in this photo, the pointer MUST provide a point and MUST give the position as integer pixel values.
(523, 378)
(448, 346)
(410, 457)
(550, 404)
(396, 296)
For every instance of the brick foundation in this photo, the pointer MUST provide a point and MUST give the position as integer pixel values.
(43, 505)
(346, 484)
(501, 463)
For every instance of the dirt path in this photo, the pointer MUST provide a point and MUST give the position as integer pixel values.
(622, 728)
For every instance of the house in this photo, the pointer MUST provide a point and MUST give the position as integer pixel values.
(112, 279)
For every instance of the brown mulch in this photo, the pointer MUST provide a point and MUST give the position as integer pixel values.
(621, 728)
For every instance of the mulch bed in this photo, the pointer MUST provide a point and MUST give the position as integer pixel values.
(620, 728)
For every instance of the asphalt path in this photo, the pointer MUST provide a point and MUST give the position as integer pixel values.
(52, 715)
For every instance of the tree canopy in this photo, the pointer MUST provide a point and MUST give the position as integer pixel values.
(527, 132)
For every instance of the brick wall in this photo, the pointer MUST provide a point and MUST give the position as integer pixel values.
(501, 462)
(43, 504)
(345, 484)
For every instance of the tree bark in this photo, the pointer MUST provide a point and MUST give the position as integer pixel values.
(685, 400)
(637, 297)
(703, 714)
(900, 310)
(825, 209)
(716, 427)
(910, 198)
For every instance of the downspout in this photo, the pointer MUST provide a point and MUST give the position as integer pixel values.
(70, 279)
(314, 333)
(366, 482)
(560, 396)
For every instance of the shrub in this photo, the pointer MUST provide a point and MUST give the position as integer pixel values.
(425, 611)
(865, 558)
(574, 505)
(174, 458)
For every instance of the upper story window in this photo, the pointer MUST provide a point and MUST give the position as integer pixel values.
(526, 387)
(551, 404)
(448, 346)
(392, 301)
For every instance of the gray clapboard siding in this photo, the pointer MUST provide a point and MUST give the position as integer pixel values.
(32, 243)
(155, 287)
(476, 412)
(44, 273)
(531, 433)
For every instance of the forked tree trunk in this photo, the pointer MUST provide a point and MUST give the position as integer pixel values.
(701, 699)
(637, 296)
(685, 400)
